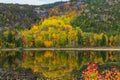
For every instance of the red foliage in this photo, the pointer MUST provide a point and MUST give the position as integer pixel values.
(91, 73)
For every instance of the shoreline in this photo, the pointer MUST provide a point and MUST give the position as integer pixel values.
(64, 49)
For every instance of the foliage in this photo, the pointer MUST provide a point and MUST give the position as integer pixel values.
(14, 15)
(92, 73)
(60, 64)
(100, 16)
(61, 27)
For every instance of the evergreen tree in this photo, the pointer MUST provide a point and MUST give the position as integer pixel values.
(10, 36)
(18, 42)
(103, 42)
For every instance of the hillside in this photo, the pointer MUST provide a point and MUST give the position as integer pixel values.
(68, 24)
(72, 40)
(14, 15)
(24, 16)
(100, 16)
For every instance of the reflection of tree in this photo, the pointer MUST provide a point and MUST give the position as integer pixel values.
(80, 56)
(103, 55)
(55, 63)
(10, 59)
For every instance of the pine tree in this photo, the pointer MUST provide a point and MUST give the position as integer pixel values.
(10, 36)
(103, 42)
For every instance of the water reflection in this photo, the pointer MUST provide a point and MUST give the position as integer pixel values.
(57, 63)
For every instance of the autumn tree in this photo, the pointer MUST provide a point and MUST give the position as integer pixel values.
(79, 35)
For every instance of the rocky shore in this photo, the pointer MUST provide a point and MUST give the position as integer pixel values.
(21, 74)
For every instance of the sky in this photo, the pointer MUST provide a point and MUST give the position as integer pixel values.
(30, 2)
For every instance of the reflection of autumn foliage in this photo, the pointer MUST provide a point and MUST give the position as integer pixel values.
(24, 55)
(35, 69)
(48, 54)
(92, 73)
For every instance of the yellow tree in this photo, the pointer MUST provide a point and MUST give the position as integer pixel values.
(111, 40)
(48, 43)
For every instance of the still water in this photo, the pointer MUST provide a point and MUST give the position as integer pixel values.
(55, 64)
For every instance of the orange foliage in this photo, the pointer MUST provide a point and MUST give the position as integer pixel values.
(35, 69)
(48, 43)
(24, 41)
(68, 27)
(24, 55)
(55, 36)
(48, 54)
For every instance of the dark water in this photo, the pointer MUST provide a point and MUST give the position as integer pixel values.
(56, 64)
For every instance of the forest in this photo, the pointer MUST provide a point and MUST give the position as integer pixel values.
(73, 24)
(69, 24)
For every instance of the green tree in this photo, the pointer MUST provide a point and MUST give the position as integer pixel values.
(103, 41)
(79, 35)
(10, 36)
(18, 42)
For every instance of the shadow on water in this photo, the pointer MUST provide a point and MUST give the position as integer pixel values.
(57, 64)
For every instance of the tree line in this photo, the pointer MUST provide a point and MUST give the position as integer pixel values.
(55, 32)
(68, 30)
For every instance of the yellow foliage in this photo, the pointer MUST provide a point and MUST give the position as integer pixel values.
(91, 41)
(5, 33)
(31, 54)
(48, 43)
(34, 29)
(95, 36)
(69, 27)
(100, 36)
(30, 44)
(53, 21)
(65, 18)
(23, 33)
(48, 54)
(39, 38)
(111, 38)
(35, 69)
(55, 62)
(55, 36)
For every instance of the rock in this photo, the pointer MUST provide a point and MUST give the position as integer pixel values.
(22, 74)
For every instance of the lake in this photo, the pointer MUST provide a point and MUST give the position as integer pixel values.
(58, 65)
